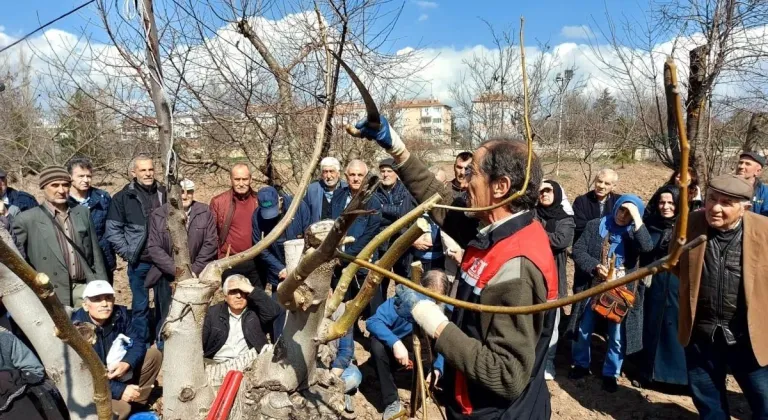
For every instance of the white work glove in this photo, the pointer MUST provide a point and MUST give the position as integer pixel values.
(400, 352)
(429, 316)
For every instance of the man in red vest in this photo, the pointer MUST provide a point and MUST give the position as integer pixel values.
(495, 363)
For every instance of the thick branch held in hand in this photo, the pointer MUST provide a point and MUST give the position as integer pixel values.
(325, 251)
(349, 272)
(354, 308)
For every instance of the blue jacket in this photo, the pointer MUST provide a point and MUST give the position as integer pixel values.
(389, 327)
(24, 201)
(315, 196)
(274, 256)
(760, 199)
(119, 323)
(437, 244)
(365, 227)
(98, 203)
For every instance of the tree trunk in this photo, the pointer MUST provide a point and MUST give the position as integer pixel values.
(757, 133)
(64, 366)
(187, 396)
(176, 216)
(672, 136)
(697, 93)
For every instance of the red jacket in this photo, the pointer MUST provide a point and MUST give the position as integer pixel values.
(238, 233)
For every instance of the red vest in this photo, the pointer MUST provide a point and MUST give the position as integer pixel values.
(479, 266)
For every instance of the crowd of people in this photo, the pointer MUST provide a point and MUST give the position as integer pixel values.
(687, 327)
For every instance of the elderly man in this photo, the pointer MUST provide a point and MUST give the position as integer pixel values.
(128, 227)
(234, 326)
(14, 201)
(596, 203)
(132, 376)
(723, 295)
(60, 241)
(750, 168)
(272, 206)
(392, 341)
(495, 363)
(320, 192)
(363, 229)
(201, 240)
(232, 210)
(82, 193)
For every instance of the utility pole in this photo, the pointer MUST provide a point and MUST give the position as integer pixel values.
(562, 81)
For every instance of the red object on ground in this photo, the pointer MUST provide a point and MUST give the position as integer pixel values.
(222, 405)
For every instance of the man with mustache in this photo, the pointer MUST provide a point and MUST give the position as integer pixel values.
(60, 241)
(722, 300)
(320, 192)
(128, 227)
(495, 363)
(750, 168)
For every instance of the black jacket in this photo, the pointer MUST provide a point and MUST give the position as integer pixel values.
(721, 300)
(395, 203)
(128, 222)
(262, 310)
(586, 208)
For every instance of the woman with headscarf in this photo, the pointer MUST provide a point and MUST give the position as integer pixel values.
(663, 358)
(627, 237)
(559, 225)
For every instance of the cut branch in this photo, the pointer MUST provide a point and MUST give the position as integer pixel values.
(349, 271)
(314, 258)
(354, 308)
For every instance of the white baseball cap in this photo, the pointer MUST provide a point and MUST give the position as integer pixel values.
(187, 184)
(97, 288)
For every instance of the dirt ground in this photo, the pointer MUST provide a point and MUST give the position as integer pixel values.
(570, 399)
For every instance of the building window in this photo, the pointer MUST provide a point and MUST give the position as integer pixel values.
(426, 120)
(437, 120)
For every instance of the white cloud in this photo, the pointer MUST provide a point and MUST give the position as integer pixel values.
(426, 4)
(431, 72)
(576, 32)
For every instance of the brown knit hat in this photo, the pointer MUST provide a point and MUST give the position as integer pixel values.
(53, 173)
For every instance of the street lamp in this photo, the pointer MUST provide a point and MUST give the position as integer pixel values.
(562, 81)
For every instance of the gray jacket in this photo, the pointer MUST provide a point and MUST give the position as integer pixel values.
(14, 355)
(36, 238)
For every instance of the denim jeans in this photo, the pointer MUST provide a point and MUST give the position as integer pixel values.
(163, 296)
(278, 323)
(140, 294)
(708, 363)
(352, 378)
(552, 350)
(581, 349)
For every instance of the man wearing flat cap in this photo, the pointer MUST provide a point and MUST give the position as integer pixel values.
(202, 241)
(750, 168)
(60, 241)
(723, 300)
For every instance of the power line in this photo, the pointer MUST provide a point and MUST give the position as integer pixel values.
(46, 24)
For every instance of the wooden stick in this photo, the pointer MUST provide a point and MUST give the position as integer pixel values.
(653, 268)
(528, 137)
(65, 331)
(681, 226)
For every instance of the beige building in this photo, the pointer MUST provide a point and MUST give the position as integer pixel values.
(494, 114)
(423, 119)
